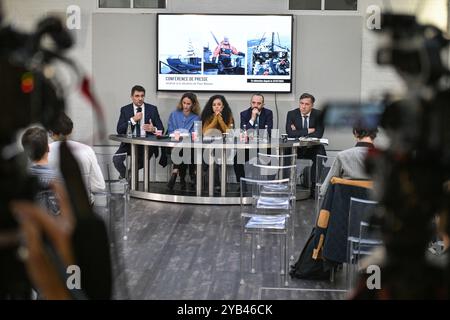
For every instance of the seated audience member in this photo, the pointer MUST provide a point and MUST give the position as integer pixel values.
(182, 119)
(84, 154)
(256, 116)
(305, 122)
(145, 120)
(349, 163)
(216, 118)
(35, 144)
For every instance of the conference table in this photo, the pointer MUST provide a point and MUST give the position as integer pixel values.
(209, 150)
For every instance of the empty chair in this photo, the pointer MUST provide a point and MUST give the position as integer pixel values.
(277, 159)
(361, 236)
(271, 166)
(268, 212)
(274, 172)
(117, 193)
(323, 166)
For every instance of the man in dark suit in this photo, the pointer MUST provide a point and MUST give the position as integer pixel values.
(254, 117)
(305, 122)
(145, 121)
(257, 114)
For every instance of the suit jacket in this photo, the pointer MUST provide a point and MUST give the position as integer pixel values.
(265, 118)
(295, 117)
(337, 203)
(126, 112)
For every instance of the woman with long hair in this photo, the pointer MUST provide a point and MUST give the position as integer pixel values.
(182, 119)
(216, 115)
(217, 119)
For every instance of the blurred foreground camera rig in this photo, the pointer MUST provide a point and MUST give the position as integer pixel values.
(411, 175)
(31, 93)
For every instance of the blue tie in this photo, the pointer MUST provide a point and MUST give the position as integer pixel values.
(305, 122)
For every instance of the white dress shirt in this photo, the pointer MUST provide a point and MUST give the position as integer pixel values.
(143, 133)
(307, 119)
(89, 167)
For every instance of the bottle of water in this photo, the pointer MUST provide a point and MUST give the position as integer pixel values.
(256, 132)
(129, 131)
(244, 134)
(231, 133)
(266, 133)
(196, 132)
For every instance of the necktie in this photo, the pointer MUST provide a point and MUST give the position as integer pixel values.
(305, 122)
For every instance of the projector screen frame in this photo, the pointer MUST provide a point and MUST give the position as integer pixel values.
(275, 83)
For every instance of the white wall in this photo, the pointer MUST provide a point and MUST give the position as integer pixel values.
(373, 79)
(24, 14)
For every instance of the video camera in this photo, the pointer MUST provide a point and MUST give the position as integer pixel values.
(31, 93)
(409, 175)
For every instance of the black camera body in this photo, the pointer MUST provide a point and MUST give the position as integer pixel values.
(409, 175)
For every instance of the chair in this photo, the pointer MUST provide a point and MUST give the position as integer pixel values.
(361, 238)
(323, 166)
(268, 212)
(278, 172)
(277, 159)
(283, 166)
(117, 190)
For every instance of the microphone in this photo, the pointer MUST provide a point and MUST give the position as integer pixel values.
(257, 117)
(138, 123)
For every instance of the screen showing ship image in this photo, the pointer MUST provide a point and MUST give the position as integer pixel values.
(213, 52)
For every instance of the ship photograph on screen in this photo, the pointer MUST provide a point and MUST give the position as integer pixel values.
(269, 55)
(186, 61)
(220, 52)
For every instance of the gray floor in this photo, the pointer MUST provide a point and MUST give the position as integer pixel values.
(179, 252)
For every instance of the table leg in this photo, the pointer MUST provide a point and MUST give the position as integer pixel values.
(146, 168)
(198, 155)
(134, 170)
(211, 172)
(223, 180)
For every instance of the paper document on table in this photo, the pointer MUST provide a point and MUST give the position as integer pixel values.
(182, 134)
(311, 139)
(308, 139)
